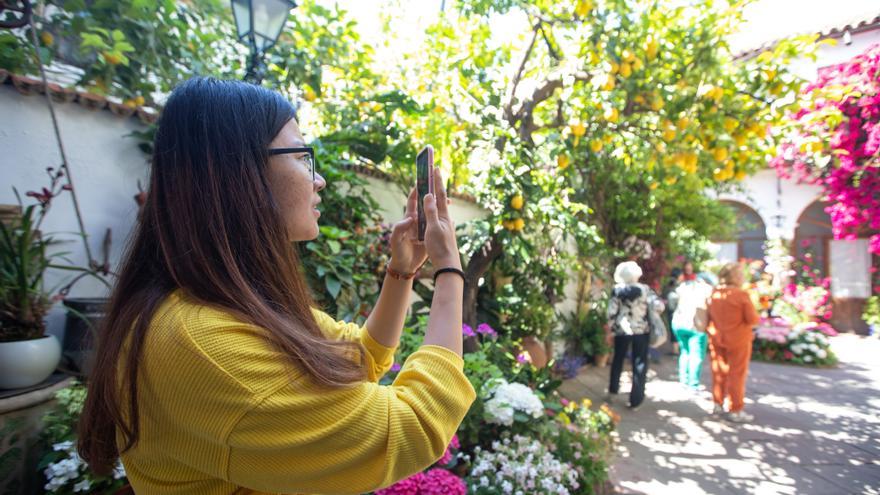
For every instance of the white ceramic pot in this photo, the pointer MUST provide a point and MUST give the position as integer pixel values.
(28, 362)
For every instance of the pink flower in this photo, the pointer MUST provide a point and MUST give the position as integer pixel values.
(441, 482)
(787, 354)
(395, 367)
(485, 329)
(407, 486)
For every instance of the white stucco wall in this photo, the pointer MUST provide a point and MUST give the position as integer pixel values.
(105, 166)
(760, 193)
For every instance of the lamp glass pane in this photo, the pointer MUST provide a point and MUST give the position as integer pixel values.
(242, 17)
(269, 19)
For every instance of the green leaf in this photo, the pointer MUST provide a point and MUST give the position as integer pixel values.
(333, 286)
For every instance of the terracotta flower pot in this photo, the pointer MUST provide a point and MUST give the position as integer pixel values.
(91, 101)
(121, 109)
(27, 85)
(602, 360)
(147, 115)
(61, 94)
(536, 350)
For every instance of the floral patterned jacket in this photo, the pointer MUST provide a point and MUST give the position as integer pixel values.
(628, 308)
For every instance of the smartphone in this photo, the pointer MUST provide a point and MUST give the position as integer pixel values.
(424, 184)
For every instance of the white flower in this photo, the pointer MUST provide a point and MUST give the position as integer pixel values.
(821, 354)
(484, 481)
(82, 486)
(506, 486)
(808, 358)
(63, 446)
(509, 398)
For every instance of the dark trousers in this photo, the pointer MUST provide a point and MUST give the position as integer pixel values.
(639, 364)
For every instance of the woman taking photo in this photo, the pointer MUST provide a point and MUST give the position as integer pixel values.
(214, 372)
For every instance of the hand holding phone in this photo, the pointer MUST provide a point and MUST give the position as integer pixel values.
(424, 184)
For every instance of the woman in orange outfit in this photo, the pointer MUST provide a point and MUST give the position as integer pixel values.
(732, 317)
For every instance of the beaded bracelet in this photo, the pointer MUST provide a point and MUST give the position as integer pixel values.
(399, 276)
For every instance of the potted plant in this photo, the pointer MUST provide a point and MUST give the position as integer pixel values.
(27, 355)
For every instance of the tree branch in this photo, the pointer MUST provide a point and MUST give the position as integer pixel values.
(508, 109)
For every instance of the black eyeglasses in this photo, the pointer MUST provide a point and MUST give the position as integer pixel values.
(310, 156)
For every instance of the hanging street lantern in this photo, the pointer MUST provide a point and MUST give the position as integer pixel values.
(259, 24)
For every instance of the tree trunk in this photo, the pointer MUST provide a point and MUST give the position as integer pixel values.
(477, 266)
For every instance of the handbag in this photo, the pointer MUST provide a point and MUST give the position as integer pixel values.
(658, 329)
(701, 319)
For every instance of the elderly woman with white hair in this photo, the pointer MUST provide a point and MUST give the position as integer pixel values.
(628, 319)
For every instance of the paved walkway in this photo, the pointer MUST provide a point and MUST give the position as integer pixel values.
(816, 431)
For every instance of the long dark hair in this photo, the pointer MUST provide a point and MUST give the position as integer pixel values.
(211, 227)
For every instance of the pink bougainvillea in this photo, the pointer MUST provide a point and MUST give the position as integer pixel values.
(834, 141)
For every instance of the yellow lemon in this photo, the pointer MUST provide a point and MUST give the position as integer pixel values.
(578, 129)
(47, 38)
(519, 224)
(691, 162)
(669, 135)
(657, 104)
(628, 56)
(625, 70)
(562, 161)
(508, 224)
(111, 58)
(637, 64)
(653, 186)
(595, 145)
(609, 83)
(609, 138)
(718, 174)
(682, 123)
(615, 67)
(651, 48)
(583, 7)
(740, 139)
(730, 124)
(611, 115)
(639, 99)
(740, 175)
(671, 180)
(516, 202)
(719, 154)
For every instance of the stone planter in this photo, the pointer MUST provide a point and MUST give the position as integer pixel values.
(25, 363)
(84, 316)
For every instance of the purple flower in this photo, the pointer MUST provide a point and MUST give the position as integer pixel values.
(467, 331)
(395, 367)
(485, 329)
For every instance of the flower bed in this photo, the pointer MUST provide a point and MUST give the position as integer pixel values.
(804, 343)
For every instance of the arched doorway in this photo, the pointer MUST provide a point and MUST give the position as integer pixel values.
(749, 235)
(846, 263)
(812, 237)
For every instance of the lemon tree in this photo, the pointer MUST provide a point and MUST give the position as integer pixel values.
(602, 123)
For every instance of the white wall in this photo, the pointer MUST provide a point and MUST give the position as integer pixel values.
(105, 166)
(760, 193)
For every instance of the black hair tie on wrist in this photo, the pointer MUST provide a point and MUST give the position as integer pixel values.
(449, 270)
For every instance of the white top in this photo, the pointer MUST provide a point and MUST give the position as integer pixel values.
(691, 295)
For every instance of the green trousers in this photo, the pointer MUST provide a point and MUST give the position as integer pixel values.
(693, 352)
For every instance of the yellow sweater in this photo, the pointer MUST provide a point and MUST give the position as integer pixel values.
(221, 414)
